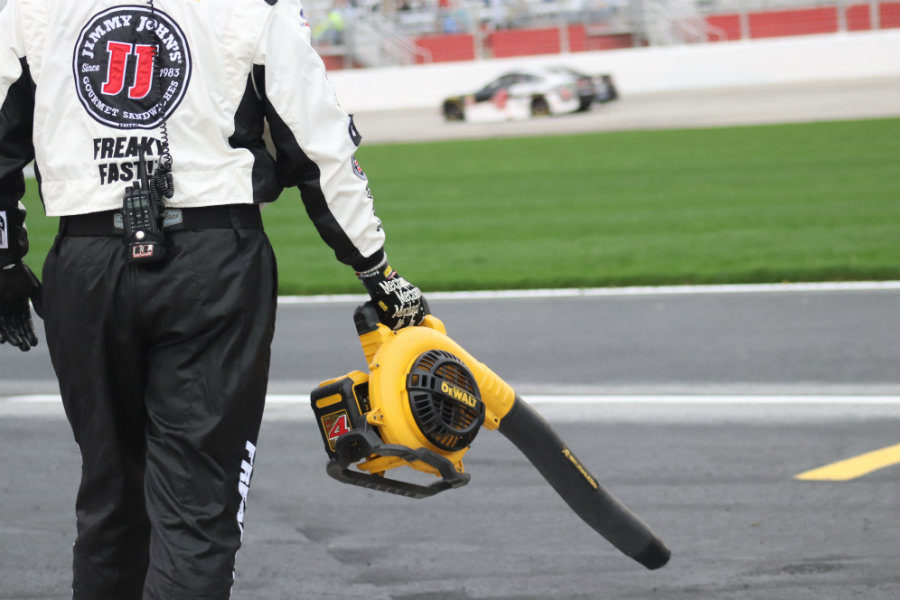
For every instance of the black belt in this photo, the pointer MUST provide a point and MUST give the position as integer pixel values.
(230, 216)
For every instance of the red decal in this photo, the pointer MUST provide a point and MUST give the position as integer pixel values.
(339, 428)
(143, 74)
(142, 251)
(500, 99)
(115, 70)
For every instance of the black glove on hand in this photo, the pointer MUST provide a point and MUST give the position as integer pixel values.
(17, 285)
(398, 302)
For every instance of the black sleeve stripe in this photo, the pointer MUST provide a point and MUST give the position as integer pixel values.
(248, 134)
(16, 148)
(295, 168)
(367, 264)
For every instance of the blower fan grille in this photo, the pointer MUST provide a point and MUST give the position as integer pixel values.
(444, 400)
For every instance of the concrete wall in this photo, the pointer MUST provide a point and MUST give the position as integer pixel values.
(641, 70)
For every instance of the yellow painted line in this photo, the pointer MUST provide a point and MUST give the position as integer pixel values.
(857, 466)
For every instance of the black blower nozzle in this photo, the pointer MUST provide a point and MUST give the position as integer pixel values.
(534, 437)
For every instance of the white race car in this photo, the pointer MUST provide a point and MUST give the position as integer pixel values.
(523, 94)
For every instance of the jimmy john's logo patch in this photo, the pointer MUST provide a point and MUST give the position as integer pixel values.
(132, 67)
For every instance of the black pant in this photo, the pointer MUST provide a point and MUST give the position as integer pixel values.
(163, 372)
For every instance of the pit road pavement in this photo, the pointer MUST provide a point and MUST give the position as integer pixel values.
(713, 475)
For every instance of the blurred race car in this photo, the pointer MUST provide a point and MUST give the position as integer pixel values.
(606, 89)
(525, 93)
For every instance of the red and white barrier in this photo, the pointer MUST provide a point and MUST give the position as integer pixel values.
(832, 57)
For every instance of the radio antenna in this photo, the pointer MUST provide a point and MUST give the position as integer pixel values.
(162, 175)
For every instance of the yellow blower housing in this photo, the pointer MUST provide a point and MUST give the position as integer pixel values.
(421, 405)
(425, 399)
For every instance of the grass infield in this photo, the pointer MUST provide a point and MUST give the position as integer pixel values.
(802, 202)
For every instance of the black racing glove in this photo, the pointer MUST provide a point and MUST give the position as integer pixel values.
(17, 285)
(398, 302)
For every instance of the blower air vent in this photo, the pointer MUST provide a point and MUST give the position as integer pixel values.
(444, 400)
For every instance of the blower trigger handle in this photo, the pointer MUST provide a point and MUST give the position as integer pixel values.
(365, 317)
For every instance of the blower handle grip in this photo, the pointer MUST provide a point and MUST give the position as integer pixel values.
(365, 318)
(534, 437)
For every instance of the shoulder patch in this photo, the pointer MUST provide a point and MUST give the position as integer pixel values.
(355, 136)
(357, 170)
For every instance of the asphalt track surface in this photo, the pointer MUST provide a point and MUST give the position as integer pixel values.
(696, 410)
(700, 429)
(748, 105)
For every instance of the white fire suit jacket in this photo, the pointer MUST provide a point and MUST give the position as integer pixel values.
(228, 77)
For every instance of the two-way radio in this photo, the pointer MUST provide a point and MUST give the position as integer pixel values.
(142, 214)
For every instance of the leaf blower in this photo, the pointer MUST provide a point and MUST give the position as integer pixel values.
(421, 405)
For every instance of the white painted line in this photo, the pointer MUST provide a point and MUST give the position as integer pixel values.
(288, 399)
(845, 286)
(715, 400)
(667, 399)
(595, 399)
(33, 399)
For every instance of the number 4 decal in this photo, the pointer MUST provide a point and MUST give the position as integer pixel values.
(339, 428)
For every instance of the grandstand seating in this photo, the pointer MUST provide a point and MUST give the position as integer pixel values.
(531, 27)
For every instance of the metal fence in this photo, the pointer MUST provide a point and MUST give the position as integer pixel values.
(486, 28)
(395, 32)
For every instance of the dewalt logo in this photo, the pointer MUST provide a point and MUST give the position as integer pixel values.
(459, 394)
(584, 472)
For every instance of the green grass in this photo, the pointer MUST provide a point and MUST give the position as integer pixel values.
(803, 202)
